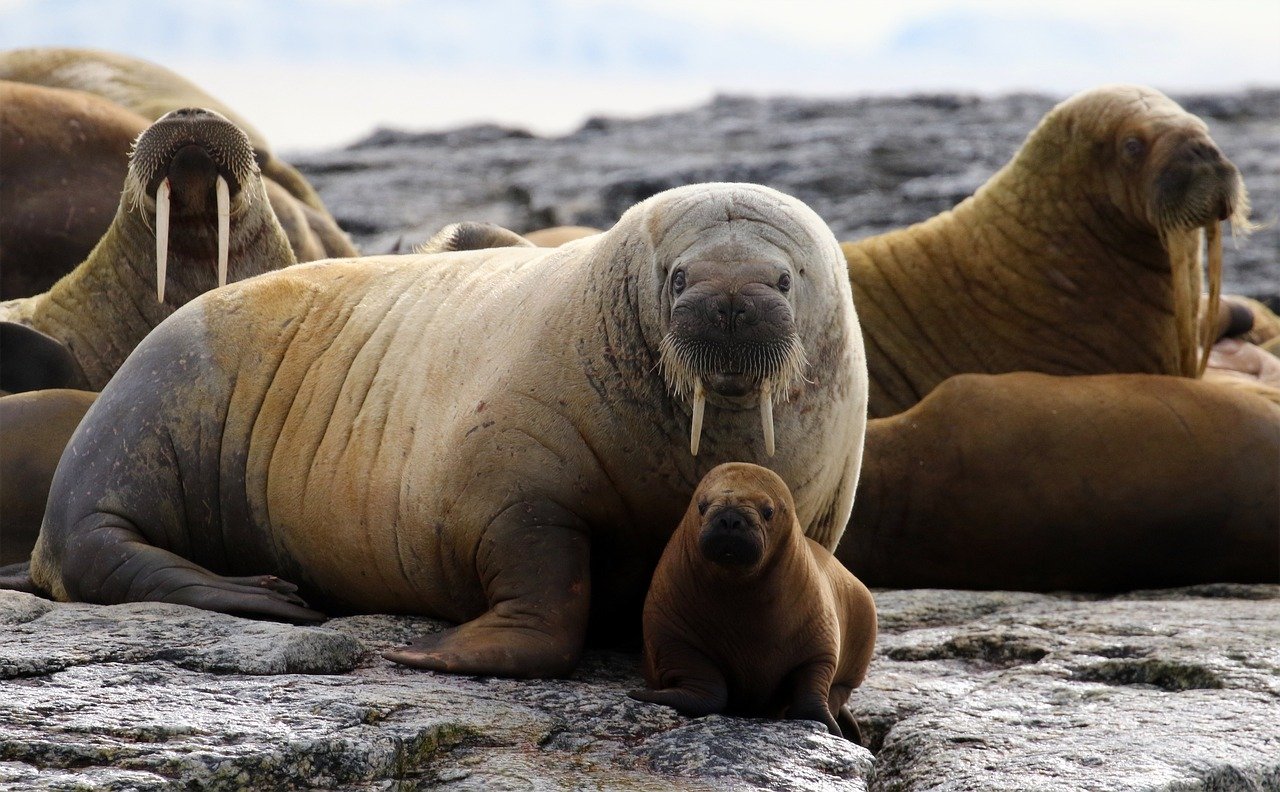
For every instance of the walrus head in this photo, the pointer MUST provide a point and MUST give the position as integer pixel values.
(1142, 160)
(744, 513)
(732, 279)
(193, 166)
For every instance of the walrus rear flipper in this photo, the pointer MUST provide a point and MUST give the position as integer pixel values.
(17, 577)
(31, 360)
(112, 563)
(849, 727)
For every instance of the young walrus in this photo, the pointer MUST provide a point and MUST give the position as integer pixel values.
(193, 215)
(745, 614)
(1080, 256)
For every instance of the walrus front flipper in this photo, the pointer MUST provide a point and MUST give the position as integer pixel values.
(31, 360)
(537, 580)
(113, 563)
(17, 577)
(849, 727)
(705, 697)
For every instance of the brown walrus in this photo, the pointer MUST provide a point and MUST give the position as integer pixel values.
(746, 614)
(500, 438)
(1093, 483)
(144, 88)
(558, 235)
(66, 155)
(1080, 256)
(35, 427)
(192, 214)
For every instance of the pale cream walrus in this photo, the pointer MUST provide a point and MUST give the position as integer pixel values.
(501, 438)
(1080, 256)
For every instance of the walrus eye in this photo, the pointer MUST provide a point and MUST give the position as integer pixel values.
(677, 282)
(784, 283)
(767, 512)
(702, 508)
(1134, 148)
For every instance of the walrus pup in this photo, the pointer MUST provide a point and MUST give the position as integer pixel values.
(490, 437)
(1080, 256)
(746, 614)
(193, 214)
(1096, 483)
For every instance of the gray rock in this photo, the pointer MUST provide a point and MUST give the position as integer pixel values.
(1165, 690)
(865, 165)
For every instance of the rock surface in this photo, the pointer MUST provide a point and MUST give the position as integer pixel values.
(1168, 690)
(865, 165)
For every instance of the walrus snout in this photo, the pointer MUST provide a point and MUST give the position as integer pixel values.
(1196, 185)
(730, 537)
(172, 141)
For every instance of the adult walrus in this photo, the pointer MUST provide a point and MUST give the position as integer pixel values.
(1080, 256)
(193, 213)
(145, 88)
(489, 437)
(746, 614)
(1094, 483)
(66, 155)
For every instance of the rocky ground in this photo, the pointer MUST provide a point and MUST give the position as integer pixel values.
(1168, 690)
(865, 165)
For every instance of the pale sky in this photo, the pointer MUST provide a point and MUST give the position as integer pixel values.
(316, 73)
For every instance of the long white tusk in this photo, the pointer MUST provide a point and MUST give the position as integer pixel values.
(224, 228)
(162, 237)
(766, 415)
(699, 407)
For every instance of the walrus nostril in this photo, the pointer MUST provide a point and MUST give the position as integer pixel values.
(729, 520)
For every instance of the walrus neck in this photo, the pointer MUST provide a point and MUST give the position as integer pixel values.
(107, 305)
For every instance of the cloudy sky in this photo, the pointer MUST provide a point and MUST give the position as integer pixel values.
(314, 73)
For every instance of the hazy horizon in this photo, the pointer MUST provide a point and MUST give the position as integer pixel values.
(321, 73)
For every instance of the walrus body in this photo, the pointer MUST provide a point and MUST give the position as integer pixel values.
(109, 303)
(558, 235)
(487, 437)
(1080, 256)
(35, 428)
(66, 155)
(746, 614)
(1096, 483)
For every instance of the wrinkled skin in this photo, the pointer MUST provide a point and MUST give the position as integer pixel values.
(1098, 483)
(745, 614)
(484, 437)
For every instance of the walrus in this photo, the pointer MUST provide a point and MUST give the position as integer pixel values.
(1080, 256)
(35, 427)
(500, 438)
(746, 614)
(147, 89)
(193, 213)
(66, 155)
(1094, 483)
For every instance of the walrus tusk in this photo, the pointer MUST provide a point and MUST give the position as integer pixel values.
(766, 415)
(224, 228)
(699, 407)
(162, 237)
(1213, 244)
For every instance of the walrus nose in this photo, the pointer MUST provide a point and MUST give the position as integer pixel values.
(729, 538)
(731, 312)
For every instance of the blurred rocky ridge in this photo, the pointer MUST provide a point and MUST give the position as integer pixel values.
(866, 165)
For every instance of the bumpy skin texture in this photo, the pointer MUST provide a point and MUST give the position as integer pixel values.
(144, 88)
(790, 635)
(108, 304)
(66, 156)
(1060, 263)
(36, 428)
(482, 436)
(1096, 483)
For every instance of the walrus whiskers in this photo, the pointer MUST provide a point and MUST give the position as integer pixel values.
(224, 227)
(162, 237)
